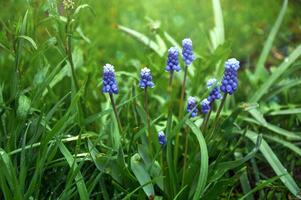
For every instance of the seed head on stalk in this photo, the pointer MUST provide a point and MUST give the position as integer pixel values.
(68, 4)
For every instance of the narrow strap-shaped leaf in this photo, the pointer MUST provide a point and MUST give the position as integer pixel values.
(260, 120)
(285, 143)
(97, 116)
(276, 74)
(204, 160)
(217, 34)
(276, 165)
(289, 111)
(223, 167)
(80, 183)
(169, 157)
(30, 40)
(79, 8)
(269, 42)
(259, 187)
(143, 39)
(142, 175)
(244, 180)
(8, 171)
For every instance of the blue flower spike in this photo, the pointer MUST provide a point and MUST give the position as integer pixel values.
(109, 80)
(215, 92)
(230, 81)
(205, 106)
(173, 60)
(162, 138)
(146, 79)
(191, 107)
(187, 51)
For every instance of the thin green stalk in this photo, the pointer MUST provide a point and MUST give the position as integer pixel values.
(217, 116)
(170, 81)
(185, 156)
(154, 159)
(256, 175)
(183, 93)
(164, 169)
(18, 46)
(68, 49)
(169, 90)
(185, 153)
(149, 136)
(171, 181)
(116, 113)
(147, 114)
(206, 120)
(219, 110)
(180, 111)
(170, 110)
(15, 77)
(162, 162)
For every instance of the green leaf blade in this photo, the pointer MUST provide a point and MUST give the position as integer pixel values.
(276, 165)
(204, 160)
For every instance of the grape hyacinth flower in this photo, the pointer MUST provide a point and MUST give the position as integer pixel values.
(215, 92)
(187, 52)
(172, 60)
(191, 106)
(205, 106)
(109, 80)
(211, 82)
(145, 82)
(146, 78)
(188, 57)
(110, 86)
(230, 81)
(162, 138)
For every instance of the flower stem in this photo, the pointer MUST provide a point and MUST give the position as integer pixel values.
(74, 80)
(115, 112)
(185, 157)
(205, 123)
(183, 92)
(169, 90)
(181, 111)
(68, 49)
(154, 159)
(147, 116)
(170, 81)
(162, 164)
(217, 116)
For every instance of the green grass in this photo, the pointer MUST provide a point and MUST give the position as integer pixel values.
(59, 135)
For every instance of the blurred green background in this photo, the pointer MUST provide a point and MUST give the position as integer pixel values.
(247, 24)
